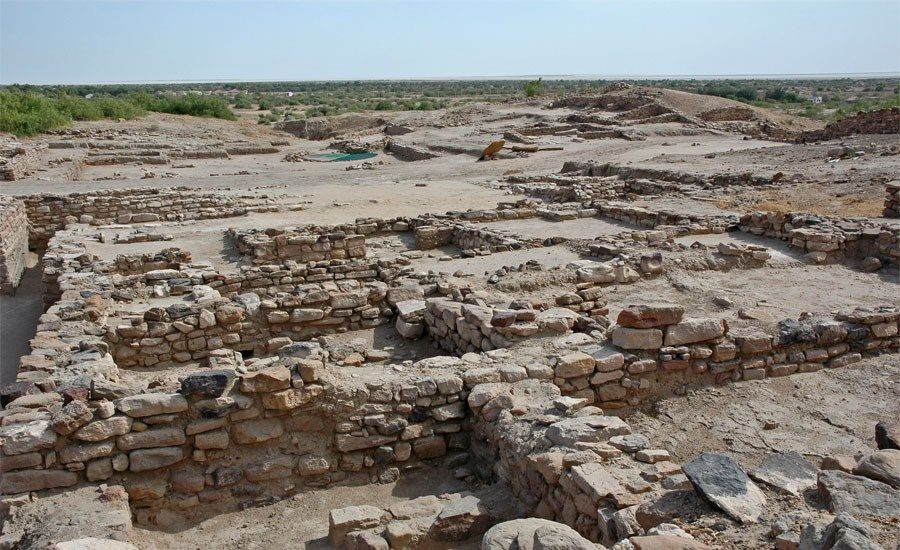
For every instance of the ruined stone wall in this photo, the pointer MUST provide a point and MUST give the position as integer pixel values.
(300, 247)
(661, 351)
(828, 239)
(229, 436)
(892, 200)
(13, 243)
(646, 218)
(319, 242)
(136, 264)
(49, 213)
(320, 128)
(470, 237)
(473, 237)
(264, 280)
(564, 461)
(94, 158)
(882, 121)
(634, 173)
(462, 328)
(296, 420)
(18, 160)
(183, 332)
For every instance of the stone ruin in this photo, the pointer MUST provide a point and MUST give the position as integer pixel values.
(256, 400)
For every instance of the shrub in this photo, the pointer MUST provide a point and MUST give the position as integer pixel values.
(27, 114)
(534, 88)
(195, 105)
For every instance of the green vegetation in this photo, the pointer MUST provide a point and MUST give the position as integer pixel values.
(26, 112)
(534, 88)
(29, 113)
(192, 104)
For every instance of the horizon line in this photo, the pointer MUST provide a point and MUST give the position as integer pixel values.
(575, 76)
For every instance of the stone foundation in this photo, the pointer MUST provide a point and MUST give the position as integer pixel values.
(50, 213)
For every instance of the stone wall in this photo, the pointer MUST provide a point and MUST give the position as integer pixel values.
(317, 242)
(651, 219)
(13, 243)
(655, 351)
(18, 160)
(266, 279)
(320, 128)
(189, 332)
(137, 264)
(49, 213)
(828, 239)
(288, 425)
(892, 200)
(273, 245)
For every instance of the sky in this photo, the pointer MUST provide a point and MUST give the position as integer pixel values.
(117, 41)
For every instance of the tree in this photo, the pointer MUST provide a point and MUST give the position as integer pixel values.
(533, 88)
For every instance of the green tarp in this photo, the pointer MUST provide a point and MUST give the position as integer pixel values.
(333, 157)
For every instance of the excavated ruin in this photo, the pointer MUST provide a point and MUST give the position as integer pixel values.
(161, 390)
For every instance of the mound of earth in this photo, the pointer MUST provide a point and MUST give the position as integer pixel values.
(641, 104)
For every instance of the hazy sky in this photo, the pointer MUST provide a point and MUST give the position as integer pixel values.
(158, 40)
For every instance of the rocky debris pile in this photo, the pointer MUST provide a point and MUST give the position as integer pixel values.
(565, 460)
(13, 243)
(881, 121)
(461, 328)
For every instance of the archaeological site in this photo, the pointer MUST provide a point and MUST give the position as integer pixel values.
(634, 318)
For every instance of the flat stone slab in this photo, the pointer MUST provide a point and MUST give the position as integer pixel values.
(857, 495)
(590, 429)
(786, 472)
(721, 481)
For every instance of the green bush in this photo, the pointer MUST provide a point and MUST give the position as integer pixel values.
(27, 114)
(194, 105)
(534, 88)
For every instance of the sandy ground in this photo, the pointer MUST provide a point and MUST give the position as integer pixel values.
(582, 228)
